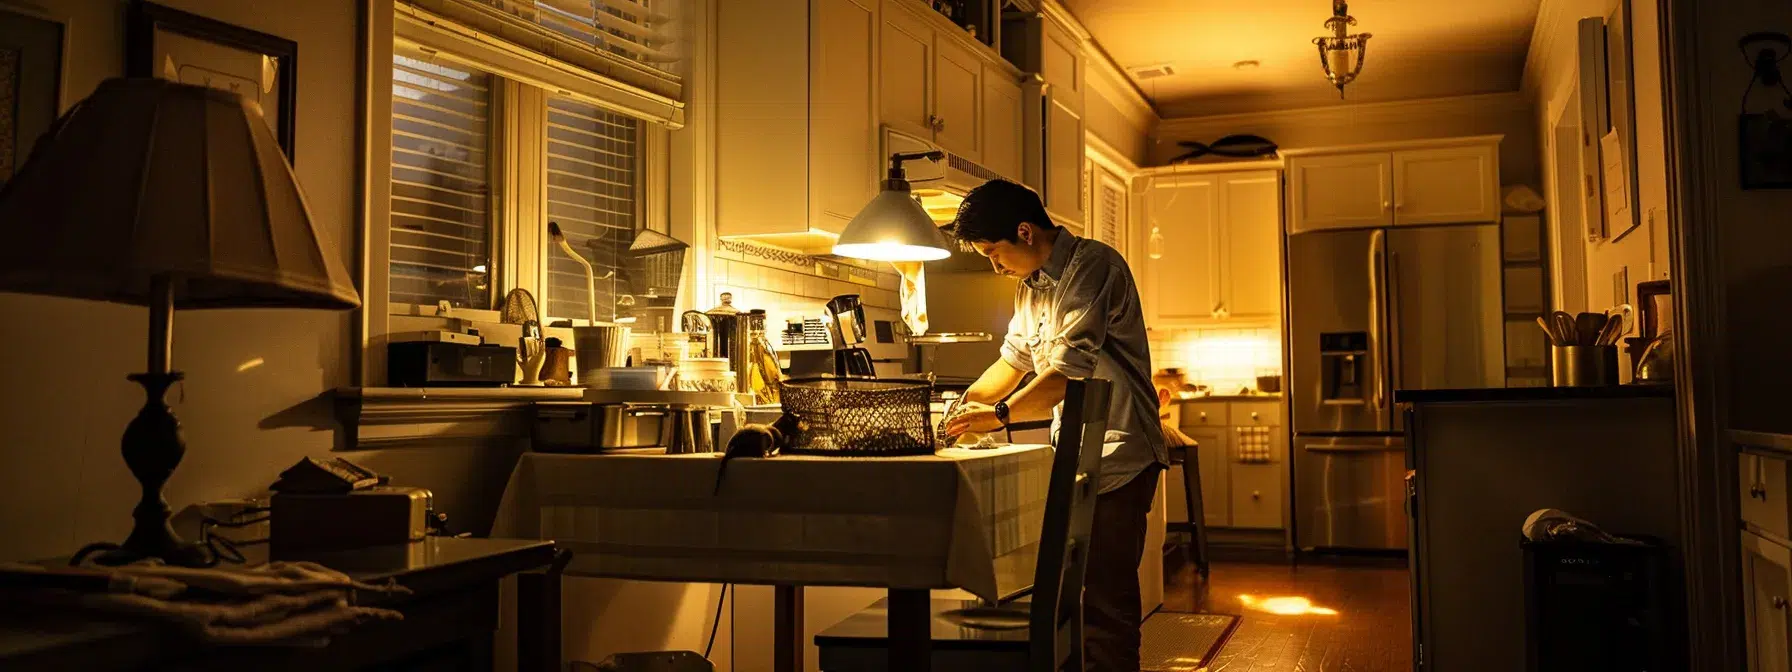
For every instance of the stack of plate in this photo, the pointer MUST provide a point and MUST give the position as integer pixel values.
(627, 378)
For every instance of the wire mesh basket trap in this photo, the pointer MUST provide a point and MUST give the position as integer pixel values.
(860, 416)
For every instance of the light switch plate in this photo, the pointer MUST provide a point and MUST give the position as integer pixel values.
(1621, 286)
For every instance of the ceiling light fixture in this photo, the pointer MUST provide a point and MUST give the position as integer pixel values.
(894, 226)
(1341, 54)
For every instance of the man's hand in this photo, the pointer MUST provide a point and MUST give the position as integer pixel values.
(972, 417)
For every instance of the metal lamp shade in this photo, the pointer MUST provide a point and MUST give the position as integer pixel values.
(892, 227)
(148, 178)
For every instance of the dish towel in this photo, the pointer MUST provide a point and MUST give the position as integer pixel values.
(276, 604)
(913, 293)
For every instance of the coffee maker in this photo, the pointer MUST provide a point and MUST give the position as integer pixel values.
(846, 356)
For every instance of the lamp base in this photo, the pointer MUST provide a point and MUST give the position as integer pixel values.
(152, 448)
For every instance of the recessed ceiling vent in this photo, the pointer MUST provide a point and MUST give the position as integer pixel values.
(1143, 73)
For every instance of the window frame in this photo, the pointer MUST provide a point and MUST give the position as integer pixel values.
(517, 162)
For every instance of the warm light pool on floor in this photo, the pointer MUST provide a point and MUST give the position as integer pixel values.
(1285, 605)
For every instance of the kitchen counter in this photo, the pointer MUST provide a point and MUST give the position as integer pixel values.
(1532, 394)
(1229, 397)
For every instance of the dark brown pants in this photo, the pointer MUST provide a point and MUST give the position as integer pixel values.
(1111, 587)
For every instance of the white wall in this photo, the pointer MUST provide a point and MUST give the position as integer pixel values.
(249, 405)
(1487, 114)
(1551, 76)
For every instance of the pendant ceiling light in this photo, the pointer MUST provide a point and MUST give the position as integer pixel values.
(1341, 54)
(894, 226)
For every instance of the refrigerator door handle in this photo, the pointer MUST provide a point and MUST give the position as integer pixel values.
(1377, 257)
(1395, 340)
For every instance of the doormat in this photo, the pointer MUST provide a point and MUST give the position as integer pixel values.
(1183, 642)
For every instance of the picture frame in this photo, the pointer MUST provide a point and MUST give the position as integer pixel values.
(33, 51)
(1620, 96)
(170, 44)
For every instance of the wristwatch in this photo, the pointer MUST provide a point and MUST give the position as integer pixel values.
(1002, 412)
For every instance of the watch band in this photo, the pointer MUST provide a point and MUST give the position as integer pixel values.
(1002, 412)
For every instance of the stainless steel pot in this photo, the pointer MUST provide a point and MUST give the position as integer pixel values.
(631, 426)
(690, 431)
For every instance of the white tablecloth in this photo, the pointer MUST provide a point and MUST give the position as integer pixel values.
(960, 519)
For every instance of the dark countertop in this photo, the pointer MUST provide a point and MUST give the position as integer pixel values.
(1532, 394)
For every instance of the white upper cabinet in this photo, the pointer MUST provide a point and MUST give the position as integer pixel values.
(1251, 236)
(1447, 185)
(905, 71)
(1003, 123)
(1064, 195)
(933, 80)
(1340, 192)
(958, 98)
(796, 126)
(1184, 285)
(1433, 182)
(1222, 248)
(1052, 157)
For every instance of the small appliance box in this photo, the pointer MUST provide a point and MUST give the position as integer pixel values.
(380, 515)
(442, 364)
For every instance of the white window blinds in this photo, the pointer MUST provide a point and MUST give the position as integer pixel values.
(593, 194)
(1110, 213)
(441, 218)
(622, 55)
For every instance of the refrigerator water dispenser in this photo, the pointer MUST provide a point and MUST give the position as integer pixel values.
(1343, 358)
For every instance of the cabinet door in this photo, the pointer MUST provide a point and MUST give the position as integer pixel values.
(1257, 495)
(1183, 286)
(1767, 584)
(1064, 190)
(843, 125)
(957, 99)
(1216, 498)
(1450, 185)
(1004, 130)
(1340, 192)
(1251, 244)
(905, 60)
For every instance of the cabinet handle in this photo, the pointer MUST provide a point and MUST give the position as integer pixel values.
(1757, 492)
(933, 122)
(939, 124)
(1258, 494)
(1779, 603)
(1203, 416)
(1253, 415)
(1386, 205)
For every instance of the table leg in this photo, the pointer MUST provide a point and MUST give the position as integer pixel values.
(787, 629)
(911, 630)
(538, 617)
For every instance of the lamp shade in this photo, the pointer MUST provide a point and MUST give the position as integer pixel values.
(892, 227)
(148, 178)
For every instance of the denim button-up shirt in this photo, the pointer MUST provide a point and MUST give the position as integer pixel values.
(1079, 315)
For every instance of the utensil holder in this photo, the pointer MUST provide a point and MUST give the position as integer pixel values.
(1583, 365)
(599, 347)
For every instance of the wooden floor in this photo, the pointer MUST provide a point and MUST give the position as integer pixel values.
(1371, 630)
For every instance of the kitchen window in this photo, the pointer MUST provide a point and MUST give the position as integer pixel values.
(506, 115)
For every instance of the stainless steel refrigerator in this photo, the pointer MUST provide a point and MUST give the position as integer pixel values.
(1373, 311)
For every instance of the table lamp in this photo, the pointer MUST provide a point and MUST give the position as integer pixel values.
(163, 195)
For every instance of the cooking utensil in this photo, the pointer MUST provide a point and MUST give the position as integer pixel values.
(1624, 313)
(1549, 330)
(1587, 327)
(1614, 330)
(1565, 327)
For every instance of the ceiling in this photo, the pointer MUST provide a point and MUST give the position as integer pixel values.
(1420, 49)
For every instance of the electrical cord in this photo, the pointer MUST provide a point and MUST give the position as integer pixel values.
(216, 549)
(717, 625)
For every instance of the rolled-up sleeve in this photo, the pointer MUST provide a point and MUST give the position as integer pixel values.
(1088, 300)
(1017, 351)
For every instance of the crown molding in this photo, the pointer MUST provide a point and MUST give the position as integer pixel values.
(1362, 113)
(1106, 156)
(1544, 34)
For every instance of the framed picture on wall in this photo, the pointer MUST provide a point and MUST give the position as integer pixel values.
(1619, 147)
(192, 49)
(32, 51)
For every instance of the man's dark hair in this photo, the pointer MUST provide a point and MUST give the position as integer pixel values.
(993, 212)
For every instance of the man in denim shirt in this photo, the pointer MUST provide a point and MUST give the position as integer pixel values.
(1076, 315)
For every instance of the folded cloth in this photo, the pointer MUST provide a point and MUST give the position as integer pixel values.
(275, 604)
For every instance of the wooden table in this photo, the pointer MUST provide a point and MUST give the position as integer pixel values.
(966, 519)
(449, 618)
